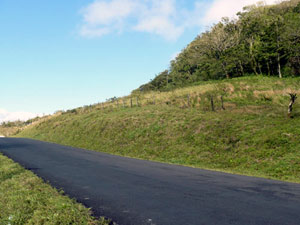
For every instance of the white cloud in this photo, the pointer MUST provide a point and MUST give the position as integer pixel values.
(102, 17)
(161, 26)
(228, 8)
(162, 18)
(165, 18)
(92, 32)
(105, 13)
(14, 116)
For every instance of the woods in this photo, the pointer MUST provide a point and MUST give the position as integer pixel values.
(263, 40)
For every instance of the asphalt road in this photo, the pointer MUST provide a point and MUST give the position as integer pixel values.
(137, 192)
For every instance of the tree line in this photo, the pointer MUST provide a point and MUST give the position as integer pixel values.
(263, 40)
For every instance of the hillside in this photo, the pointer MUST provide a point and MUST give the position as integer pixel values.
(264, 40)
(221, 105)
(252, 136)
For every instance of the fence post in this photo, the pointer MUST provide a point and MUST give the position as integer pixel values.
(130, 102)
(212, 103)
(222, 102)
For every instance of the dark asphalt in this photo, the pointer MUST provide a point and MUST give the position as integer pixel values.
(137, 192)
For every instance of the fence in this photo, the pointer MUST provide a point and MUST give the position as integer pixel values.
(204, 102)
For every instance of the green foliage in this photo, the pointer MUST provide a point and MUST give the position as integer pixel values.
(9, 128)
(160, 82)
(264, 40)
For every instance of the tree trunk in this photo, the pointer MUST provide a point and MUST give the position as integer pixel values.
(253, 60)
(167, 80)
(278, 54)
(268, 66)
(259, 67)
(254, 67)
(241, 67)
(279, 67)
(225, 71)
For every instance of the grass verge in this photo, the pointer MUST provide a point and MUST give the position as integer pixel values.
(25, 199)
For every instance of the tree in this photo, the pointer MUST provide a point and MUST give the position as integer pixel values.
(291, 39)
(263, 40)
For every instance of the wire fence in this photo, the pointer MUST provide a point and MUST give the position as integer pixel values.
(206, 102)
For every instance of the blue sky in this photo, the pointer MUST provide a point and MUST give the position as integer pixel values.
(64, 54)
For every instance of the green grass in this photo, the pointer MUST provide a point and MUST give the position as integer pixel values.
(25, 199)
(253, 136)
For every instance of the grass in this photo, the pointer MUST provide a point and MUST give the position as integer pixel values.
(253, 136)
(25, 199)
(8, 131)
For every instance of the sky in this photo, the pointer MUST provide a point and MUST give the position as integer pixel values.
(59, 55)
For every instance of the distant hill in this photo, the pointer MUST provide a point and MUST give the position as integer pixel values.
(263, 40)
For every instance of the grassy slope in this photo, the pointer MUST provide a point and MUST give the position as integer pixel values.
(8, 131)
(253, 136)
(26, 199)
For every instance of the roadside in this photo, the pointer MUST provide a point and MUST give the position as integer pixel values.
(139, 192)
(26, 199)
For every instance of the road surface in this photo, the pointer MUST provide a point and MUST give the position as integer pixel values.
(137, 192)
